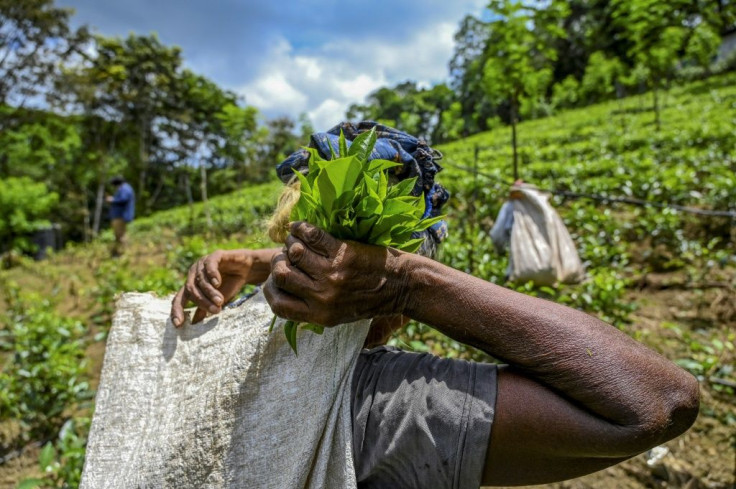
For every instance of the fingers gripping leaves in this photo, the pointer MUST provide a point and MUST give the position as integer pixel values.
(350, 198)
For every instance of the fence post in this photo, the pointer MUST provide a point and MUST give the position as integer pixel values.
(471, 211)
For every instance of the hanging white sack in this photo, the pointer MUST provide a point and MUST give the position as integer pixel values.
(223, 403)
(542, 250)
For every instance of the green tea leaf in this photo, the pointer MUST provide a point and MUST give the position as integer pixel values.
(427, 223)
(403, 188)
(333, 156)
(315, 328)
(290, 329)
(411, 246)
(306, 186)
(370, 183)
(30, 483)
(374, 166)
(343, 145)
(273, 321)
(363, 145)
(327, 192)
(365, 226)
(46, 457)
(382, 185)
(314, 159)
(343, 174)
(396, 206)
(369, 206)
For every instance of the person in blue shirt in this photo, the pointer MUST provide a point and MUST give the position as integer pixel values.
(122, 211)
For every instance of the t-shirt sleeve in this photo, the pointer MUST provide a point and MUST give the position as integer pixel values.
(420, 421)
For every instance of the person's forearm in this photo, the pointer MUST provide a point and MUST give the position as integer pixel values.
(586, 359)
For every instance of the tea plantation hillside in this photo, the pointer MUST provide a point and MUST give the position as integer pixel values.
(663, 276)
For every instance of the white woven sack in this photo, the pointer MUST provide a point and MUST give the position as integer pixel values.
(541, 247)
(222, 403)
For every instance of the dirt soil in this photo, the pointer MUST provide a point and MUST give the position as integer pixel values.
(673, 318)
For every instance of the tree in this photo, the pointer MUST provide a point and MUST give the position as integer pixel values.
(518, 60)
(306, 128)
(566, 93)
(280, 143)
(133, 82)
(602, 75)
(703, 45)
(24, 208)
(466, 70)
(34, 37)
(243, 141)
(657, 31)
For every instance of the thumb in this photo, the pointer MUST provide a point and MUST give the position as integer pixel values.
(315, 238)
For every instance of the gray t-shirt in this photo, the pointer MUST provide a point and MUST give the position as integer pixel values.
(420, 421)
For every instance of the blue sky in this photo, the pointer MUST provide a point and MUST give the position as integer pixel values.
(291, 57)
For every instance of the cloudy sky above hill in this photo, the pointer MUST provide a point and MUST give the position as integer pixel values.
(292, 57)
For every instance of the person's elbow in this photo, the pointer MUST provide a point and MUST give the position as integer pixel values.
(669, 415)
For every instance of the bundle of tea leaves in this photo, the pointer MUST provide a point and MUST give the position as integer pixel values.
(350, 198)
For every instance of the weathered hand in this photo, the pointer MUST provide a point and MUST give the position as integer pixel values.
(215, 279)
(323, 280)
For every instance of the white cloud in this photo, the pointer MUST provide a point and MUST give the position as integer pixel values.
(275, 92)
(324, 81)
(329, 113)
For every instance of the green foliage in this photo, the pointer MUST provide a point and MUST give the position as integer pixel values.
(242, 143)
(566, 93)
(519, 65)
(24, 208)
(239, 212)
(62, 461)
(703, 45)
(586, 151)
(424, 112)
(44, 373)
(601, 76)
(707, 350)
(350, 198)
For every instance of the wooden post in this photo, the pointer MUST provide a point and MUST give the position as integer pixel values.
(203, 188)
(516, 156)
(472, 214)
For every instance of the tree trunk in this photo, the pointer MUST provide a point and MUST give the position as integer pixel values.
(99, 202)
(472, 217)
(143, 156)
(656, 108)
(190, 200)
(621, 109)
(203, 187)
(514, 120)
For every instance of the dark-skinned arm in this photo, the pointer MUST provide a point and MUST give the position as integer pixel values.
(578, 394)
(215, 279)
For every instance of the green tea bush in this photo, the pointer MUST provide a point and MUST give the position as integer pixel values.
(24, 207)
(62, 460)
(240, 212)
(44, 375)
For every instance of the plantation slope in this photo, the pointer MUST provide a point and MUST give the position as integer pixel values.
(679, 270)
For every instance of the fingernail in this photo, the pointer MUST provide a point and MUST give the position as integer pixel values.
(215, 282)
(176, 321)
(218, 300)
(213, 309)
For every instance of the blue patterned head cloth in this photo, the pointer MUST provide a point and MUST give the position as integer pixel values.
(417, 158)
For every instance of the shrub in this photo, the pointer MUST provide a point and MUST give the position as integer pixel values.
(44, 374)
